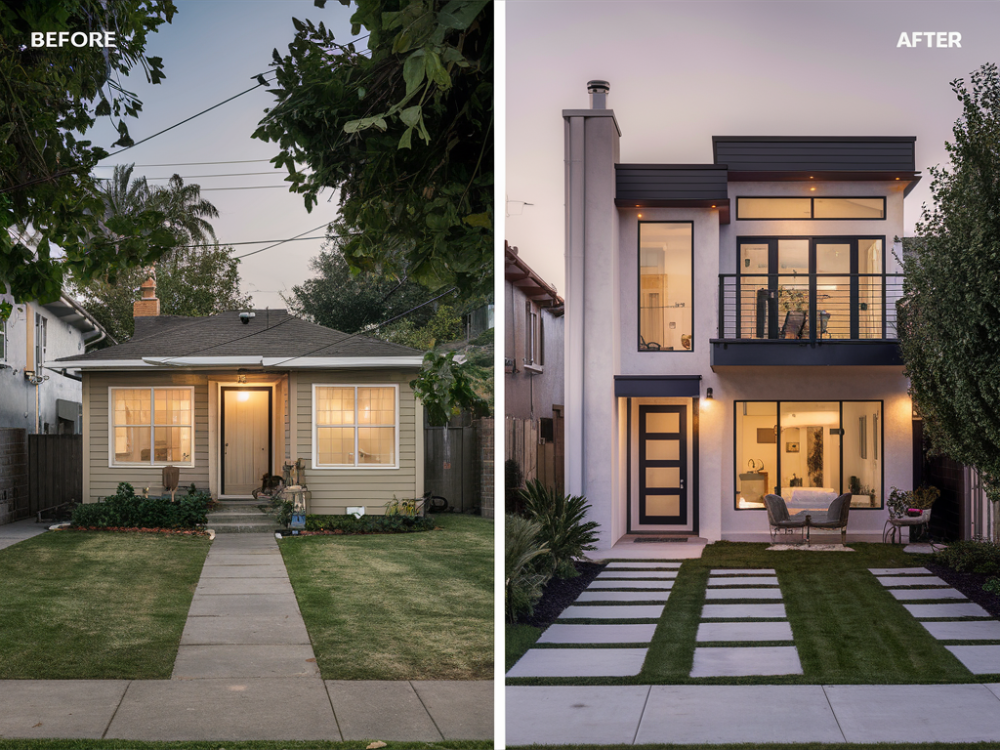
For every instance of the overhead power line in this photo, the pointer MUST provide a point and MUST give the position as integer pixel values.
(248, 187)
(186, 163)
(247, 255)
(257, 242)
(202, 176)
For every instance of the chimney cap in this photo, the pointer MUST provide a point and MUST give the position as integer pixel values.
(594, 86)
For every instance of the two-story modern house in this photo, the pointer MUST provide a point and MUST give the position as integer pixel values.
(730, 330)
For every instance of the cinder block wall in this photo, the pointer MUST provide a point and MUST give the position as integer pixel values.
(484, 446)
(13, 473)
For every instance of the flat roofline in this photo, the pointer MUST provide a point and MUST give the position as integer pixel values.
(671, 166)
(817, 138)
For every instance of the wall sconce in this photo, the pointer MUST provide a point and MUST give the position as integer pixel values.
(241, 379)
(708, 394)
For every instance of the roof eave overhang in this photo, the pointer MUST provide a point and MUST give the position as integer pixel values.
(215, 363)
(721, 204)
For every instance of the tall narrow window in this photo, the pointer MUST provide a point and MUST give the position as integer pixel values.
(41, 331)
(666, 286)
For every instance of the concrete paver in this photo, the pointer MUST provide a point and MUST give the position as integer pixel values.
(12, 533)
(243, 661)
(743, 571)
(743, 581)
(899, 571)
(209, 586)
(744, 631)
(745, 661)
(620, 612)
(58, 708)
(917, 594)
(568, 715)
(732, 593)
(579, 662)
(964, 630)
(623, 596)
(243, 605)
(690, 714)
(948, 609)
(251, 631)
(664, 585)
(244, 571)
(458, 707)
(598, 634)
(758, 611)
(408, 719)
(639, 564)
(978, 659)
(651, 574)
(915, 713)
(257, 709)
(895, 581)
(244, 558)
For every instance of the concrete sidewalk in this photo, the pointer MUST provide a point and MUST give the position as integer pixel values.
(12, 533)
(712, 714)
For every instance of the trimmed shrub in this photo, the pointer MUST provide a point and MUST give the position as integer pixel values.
(563, 529)
(369, 524)
(972, 556)
(126, 509)
(522, 553)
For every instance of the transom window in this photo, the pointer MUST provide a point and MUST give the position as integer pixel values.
(810, 208)
(152, 426)
(356, 426)
(666, 286)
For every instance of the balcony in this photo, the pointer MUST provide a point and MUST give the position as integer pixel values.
(807, 319)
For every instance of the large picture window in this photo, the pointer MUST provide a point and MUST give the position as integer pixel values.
(152, 426)
(666, 286)
(748, 209)
(356, 426)
(809, 453)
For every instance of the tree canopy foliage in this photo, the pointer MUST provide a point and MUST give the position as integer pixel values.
(49, 98)
(405, 135)
(949, 321)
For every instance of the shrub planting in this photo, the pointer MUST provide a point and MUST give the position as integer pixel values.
(396, 524)
(522, 553)
(561, 526)
(128, 510)
(971, 556)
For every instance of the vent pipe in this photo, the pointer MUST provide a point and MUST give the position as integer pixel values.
(598, 94)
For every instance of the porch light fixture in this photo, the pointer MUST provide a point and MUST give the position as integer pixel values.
(241, 379)
(708, 394)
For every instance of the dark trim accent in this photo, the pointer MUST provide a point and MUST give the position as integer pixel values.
(638, 274)
(812, 207)
(840, 403)
(816, 138)
(671, 166)
(222, 429)
(695, 468)
(628, 465)
(657, 386)
(682, 492)
(825, 352)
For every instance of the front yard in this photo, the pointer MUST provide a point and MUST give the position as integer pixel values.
(848, 628)
(96, 605)
(398, 606)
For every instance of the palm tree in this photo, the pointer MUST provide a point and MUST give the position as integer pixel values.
(122, 195)
(183, 207)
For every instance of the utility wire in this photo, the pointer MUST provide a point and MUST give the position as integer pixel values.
(248, 187)
(186, 163)
(255, 242)
(247, 255)
(201, 176)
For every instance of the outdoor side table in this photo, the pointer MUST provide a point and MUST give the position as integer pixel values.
(894, 526)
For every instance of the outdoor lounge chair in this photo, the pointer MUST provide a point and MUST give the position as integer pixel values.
(836, 517)
(778, 518)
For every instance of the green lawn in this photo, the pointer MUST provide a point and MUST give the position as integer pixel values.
(96, 605)
(848, 628)
(398, 606)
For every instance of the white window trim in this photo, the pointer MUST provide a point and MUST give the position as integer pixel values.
(356, 467)
(112, 464)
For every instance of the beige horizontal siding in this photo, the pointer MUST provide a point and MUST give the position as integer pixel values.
(333, 490)
(103, 479)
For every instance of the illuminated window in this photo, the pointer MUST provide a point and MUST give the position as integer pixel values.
(152, 426)
(355, 426)
(666, 285)
(810, 208)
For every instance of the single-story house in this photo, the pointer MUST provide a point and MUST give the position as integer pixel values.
(229, 397)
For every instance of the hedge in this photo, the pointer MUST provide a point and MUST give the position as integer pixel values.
(369, 524)
(126, 509)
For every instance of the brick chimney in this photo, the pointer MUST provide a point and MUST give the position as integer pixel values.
(148, 306)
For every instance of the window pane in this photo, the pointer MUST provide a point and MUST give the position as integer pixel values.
(663, 505)
(863, 453)
(334, 406)
(663, 450)
(756, 452)
(377, 445)
(663, 422)
(849, 208)
(377, 406)
(773, 208)
(335, 446)
(173, 444)
(810, 454)
(173, 406)
(663, 477)
(131, 406)
(871, 291)
(665, 286)
(132, 444)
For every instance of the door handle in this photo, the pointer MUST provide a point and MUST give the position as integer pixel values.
(682, 484)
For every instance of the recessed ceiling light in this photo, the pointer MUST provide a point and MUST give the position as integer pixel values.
(812, 188)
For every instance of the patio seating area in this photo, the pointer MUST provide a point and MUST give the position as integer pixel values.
(782, 523)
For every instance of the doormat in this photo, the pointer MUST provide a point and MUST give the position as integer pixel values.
(660, 539)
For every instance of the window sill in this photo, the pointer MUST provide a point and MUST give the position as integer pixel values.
(532, 368)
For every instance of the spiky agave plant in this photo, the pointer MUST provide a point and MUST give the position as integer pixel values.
(563, 527)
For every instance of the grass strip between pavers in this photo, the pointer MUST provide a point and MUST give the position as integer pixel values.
(96, 605)
(413, 606)
(847, 628)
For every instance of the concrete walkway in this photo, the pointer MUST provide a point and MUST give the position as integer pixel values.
(638, 714)
(245, 670)
(12, 533)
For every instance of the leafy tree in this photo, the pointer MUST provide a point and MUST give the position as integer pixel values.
(949, 322)
(193, 282)
(49, 96)
(445, 388)
(404, 134)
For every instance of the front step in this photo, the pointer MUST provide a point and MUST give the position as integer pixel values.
(242, 517)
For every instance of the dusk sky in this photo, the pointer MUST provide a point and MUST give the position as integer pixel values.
(210, 52)
(681, 72)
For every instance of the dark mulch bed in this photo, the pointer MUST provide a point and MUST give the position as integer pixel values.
(970, 584)
(559, 593)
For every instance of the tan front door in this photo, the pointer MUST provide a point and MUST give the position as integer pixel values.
(246, 439)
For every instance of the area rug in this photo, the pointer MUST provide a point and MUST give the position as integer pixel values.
(809, 548)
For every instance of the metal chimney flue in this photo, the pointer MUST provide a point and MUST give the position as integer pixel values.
(598, 94)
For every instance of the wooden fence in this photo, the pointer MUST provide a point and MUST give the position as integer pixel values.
(55, 471)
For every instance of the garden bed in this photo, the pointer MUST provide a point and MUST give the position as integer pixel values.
(559, 593)
(970, 584)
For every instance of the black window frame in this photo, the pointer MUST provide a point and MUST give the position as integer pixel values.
(638, 290)
(812, 207)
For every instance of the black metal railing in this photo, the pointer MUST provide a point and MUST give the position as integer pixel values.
(851, 307)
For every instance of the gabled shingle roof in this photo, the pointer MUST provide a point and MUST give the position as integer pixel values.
(270, 333)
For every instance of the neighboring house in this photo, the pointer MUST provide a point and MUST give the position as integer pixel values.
(731, 330)
(230, 397)
(35, 397)
(533, 373)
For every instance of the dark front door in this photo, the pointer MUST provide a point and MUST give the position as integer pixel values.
(663, 465)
